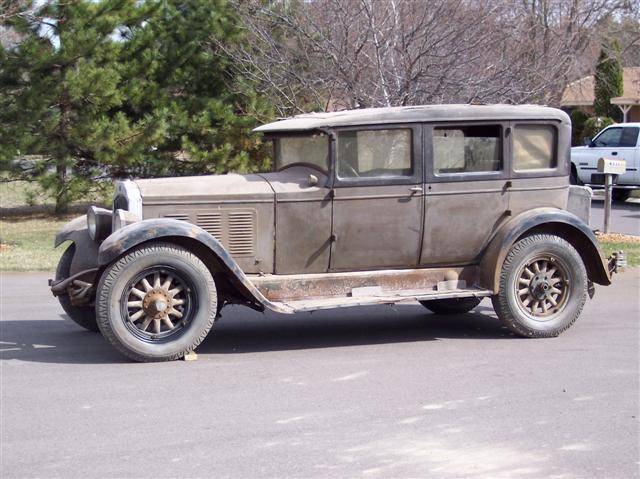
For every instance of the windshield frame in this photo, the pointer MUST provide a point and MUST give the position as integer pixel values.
(275, 137)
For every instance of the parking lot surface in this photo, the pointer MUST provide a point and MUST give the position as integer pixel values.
(365, 392)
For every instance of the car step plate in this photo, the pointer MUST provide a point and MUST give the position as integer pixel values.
(380, 297)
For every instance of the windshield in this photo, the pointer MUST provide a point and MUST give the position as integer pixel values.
(310, 149)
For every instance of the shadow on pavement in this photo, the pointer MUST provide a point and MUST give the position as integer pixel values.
(54, 341)
(353, 327)
(241, 330)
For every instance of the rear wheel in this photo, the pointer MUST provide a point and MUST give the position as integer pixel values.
(451, 306)
(620, 195)
(156, 303)
(84, 316)
(543, 287)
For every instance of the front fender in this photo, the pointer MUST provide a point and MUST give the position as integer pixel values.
(71, 230)
(167, 229)
(544, 220)
(86, 255)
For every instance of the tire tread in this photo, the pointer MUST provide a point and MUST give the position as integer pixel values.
(500, 301)
(111, 274)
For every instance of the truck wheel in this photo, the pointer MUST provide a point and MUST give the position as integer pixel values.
(451, 306)
(156, 303)
(84, 316)
(573, 176)
(543, 287)
(620, 195)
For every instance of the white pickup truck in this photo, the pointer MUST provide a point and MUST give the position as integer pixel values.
(620, 141)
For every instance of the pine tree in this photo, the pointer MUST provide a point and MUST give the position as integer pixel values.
(608, 80)
(177, 79)
(111, 88)
(58, 90)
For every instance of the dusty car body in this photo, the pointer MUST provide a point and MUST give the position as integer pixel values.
(443, 204)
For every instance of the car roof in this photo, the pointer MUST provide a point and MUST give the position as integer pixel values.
(411, 114)
(635, 124)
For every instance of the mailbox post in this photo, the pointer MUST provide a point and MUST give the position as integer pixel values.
(610, 168)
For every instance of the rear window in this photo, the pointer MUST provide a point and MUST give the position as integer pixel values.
(467, 149)
(534, 147)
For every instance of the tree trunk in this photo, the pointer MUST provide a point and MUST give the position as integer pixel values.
(62, 197)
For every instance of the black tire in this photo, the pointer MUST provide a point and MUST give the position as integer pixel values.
(84, 316)
(573, 176)
(564, 272)
(197, 309)
(451, 306)
(620, 195)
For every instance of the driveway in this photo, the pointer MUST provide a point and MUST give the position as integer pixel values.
(625, 217)
(367, 392)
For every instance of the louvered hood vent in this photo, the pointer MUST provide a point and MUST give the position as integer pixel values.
(235, 229)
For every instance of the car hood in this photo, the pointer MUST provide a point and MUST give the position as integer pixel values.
(205, 189)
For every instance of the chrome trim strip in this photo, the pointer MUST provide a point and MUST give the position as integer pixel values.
(171, 202)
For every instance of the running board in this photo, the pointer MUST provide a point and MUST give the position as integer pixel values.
(290, 293)
(379, 298)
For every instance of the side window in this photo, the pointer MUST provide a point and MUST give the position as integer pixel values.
(610, 137)
(629, 136)
(465, 149)
(534, 147)
(374, 153)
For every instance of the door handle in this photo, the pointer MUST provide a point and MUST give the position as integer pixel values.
(416, 189)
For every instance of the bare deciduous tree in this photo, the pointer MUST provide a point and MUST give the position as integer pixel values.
(332, 54)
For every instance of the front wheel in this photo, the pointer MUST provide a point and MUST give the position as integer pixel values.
(543, 287)
(573, 176)
(156, 303)
(84, 316)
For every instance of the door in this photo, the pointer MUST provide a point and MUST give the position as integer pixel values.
(616, 142)
(302, 220)
(377, 198)
(467, 190)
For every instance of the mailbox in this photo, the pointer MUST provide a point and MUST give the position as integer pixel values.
(611, 167)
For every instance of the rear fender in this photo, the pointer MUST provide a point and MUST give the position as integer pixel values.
(201, 243)
(549, 221)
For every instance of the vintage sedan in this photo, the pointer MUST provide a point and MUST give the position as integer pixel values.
(441, 205)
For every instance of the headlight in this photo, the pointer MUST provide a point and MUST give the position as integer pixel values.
(122, 218)
(98, 223)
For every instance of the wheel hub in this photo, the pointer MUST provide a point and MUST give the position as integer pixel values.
(542, 286)
(156, 302)
(539, 286)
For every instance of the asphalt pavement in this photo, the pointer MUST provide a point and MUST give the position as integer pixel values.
(374, 392)
(625, 217)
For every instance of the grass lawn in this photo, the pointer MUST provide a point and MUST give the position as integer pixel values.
(631, 250)
(27, 196)
(26, 243)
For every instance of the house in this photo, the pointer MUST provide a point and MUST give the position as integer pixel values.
(579, 94)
